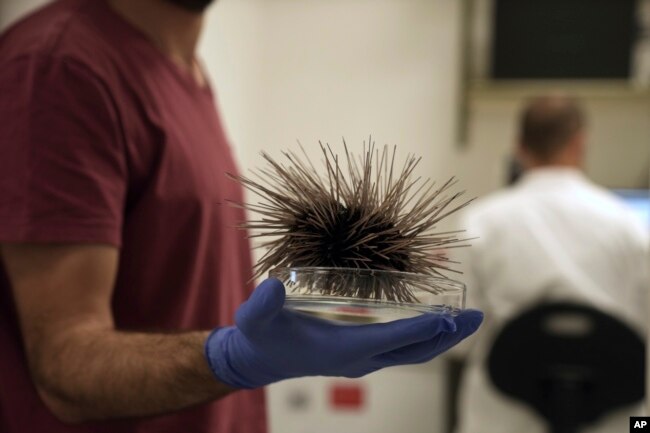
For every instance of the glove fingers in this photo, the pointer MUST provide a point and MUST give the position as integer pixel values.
(467, 323)
(413, 354)
(263, 305)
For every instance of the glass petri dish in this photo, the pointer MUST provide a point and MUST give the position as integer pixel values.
(362, 296)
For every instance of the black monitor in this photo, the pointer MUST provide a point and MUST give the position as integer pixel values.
(563, 39)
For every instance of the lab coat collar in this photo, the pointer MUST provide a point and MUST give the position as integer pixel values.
(552, 176)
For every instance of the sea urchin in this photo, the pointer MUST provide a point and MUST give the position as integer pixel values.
(363, 213)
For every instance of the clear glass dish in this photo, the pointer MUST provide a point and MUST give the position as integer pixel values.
(360, 296)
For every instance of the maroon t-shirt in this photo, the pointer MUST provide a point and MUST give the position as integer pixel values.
(103, 139)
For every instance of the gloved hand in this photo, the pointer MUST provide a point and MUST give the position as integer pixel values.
(269, 343)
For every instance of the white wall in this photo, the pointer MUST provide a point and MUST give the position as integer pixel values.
(10, 10)
(311, 70)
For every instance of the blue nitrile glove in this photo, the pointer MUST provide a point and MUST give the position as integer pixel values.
(269, 343)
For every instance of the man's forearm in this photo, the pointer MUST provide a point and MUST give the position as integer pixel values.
(102, 374)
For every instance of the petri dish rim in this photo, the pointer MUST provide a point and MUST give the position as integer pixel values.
(450, 286)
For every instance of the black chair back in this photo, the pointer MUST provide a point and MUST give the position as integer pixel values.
(569, 362)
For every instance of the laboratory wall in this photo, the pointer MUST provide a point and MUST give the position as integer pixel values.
(618, 154)
(292, 70)
(11, 10)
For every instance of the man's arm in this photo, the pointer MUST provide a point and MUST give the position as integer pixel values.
(83, 367)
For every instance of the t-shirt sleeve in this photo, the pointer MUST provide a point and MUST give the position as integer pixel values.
(63, 174)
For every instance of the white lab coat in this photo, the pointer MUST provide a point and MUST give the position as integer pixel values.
(553, 236)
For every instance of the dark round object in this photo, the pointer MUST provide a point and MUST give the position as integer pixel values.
(569, 362)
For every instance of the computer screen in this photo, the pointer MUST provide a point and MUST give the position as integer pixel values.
(638, 200)
(565, 39)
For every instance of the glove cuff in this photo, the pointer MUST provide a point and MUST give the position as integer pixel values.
(218, 356)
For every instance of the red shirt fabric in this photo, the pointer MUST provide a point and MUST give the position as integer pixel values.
(104, 140)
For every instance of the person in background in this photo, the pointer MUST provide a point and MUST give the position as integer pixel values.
(118, 255)
(554, 235)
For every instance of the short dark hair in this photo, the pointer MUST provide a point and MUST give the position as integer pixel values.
(548, 123)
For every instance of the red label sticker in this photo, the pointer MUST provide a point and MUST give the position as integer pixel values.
(347, 397)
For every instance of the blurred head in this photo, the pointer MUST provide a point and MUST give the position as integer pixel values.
(192, 5)
(552, 132)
